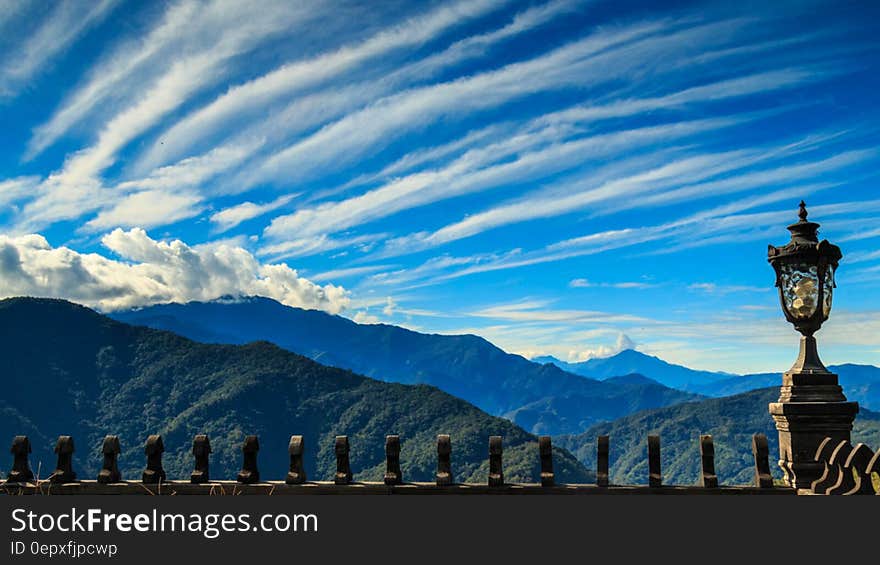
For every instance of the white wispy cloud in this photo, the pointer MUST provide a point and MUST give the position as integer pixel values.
(152, 272)
(597, 59)
(228, 218)
(183, 38)
(246, 100)
(14, 189)
(540, 311)
(586, 283)
(672, 182)
(715, 288)
(115, 73)
(697, 230)
(77, 185)
(147, 209)
(469, 173)
(194, 172)
(337, 274)
(304, 246)
(62, 27)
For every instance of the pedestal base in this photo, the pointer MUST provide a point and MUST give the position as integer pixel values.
(811, 407)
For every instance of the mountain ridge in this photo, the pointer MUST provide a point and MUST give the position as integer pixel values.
(466, 366)
(731, 420)
(69, 370)
(631, 361)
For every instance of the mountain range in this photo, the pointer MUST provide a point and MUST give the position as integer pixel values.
(730, 420)
(631, 361)
(540, 397)
(69, 370)
(860, 382)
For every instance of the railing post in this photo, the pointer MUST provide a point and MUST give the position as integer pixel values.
(201, 450)
(761, 455)
(833, 466)
(249, 473)
(109, 472)
(444, 463)
(154, 473)
(845, 480)
(545, 448)
(393, 475)
(655, 478)
(708, 478)
(874, 466)
(21, 468)
(64, 468)
(823, 458)
(602, 444)
(297, 473)
(857, 465)
(496, 472)
(343, 466)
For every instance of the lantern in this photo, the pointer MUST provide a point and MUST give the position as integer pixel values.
(805, 270)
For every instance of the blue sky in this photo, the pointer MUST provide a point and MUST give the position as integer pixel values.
(561, 177)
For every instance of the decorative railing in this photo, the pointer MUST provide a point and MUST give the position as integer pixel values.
(848, 470)
(64, 480)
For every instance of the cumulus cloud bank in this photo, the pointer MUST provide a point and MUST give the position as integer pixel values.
(622, 344)
(150, 272)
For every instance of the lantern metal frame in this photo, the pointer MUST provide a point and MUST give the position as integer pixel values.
(805, 253)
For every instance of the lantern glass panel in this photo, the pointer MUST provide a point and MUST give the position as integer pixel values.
(829, 290)
(800, 290)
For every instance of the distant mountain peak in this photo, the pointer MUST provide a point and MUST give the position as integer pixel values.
(633, 379)
(631, 361)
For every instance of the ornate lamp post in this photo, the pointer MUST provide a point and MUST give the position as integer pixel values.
(811, 404)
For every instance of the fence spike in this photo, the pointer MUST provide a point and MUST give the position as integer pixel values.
(64, 469)
(857, 465)
(21, 466)
(545, 448)
(109, 472)
(845, 480)
(393, 475)
(444, 463)
(761, 455)
(343, 466)
(154, 473)
(602, 461)
(655, 478)
(201, 450)
(708, 478)
(250, 473)
(297, 473)
(496, 471)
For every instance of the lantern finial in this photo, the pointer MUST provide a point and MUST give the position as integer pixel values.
(802, 213)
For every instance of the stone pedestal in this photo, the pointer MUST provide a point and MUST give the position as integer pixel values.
(811, 407)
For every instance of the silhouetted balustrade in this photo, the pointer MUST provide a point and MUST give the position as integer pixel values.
(444, 463)
(343, 465)
(249, 473)
(109, 472)
(21, 467)
(545, 450)
(708, 478)
(154, 473)
(496, 471)
(393, 475)
(297, 473)
(64, 467)
(201, 450)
